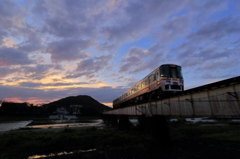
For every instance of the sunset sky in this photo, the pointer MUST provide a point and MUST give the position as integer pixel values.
(51, 49)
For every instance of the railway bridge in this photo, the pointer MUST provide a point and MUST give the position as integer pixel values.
(216, 100)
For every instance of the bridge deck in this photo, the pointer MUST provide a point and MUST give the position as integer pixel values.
(220, 100)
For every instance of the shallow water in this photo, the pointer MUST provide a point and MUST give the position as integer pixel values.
(59, 154)
(56, 124)
(194, 120)
(11, 125)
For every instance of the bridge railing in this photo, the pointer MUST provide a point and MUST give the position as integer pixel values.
(225, 105)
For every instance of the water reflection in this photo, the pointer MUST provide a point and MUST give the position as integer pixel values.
(57, 124)
(59, 154)
(50, 124)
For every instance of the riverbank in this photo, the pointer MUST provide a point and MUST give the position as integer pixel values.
(188, 141)
(44, 123)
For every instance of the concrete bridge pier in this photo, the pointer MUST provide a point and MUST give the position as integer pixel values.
(124, 123)
(105, 119)
(110, 120)
(156, 127)
(113, 120)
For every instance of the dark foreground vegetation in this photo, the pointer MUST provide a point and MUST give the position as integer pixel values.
(188, 141)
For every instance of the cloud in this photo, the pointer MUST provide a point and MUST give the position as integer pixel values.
(111, 23)
(10, 15)
(33, 42)
(137, 17)
(70, 18)
(58, 67)
(221, 64)
(90, 67)
(94, 64)
(209, 44)
(36, 72)
(4, 72)
(76, 75)
(133, 62)
(192, 55)
(217, 29)
(203, 10)
(171, 31)
(34, 84)
(175, 27)
(11, 56)
(106, 46)
(69, 49)
(2, 35)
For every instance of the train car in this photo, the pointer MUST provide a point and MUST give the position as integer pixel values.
(165, 78)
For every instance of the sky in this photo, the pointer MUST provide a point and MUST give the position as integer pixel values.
(52, 49)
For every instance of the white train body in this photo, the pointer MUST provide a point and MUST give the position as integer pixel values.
(165, 78)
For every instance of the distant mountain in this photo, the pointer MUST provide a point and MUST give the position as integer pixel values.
(90, 105)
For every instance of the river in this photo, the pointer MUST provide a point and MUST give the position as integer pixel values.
(51, 124)
(12, 125)
(60, 124)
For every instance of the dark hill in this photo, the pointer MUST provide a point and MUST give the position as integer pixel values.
(90, 105)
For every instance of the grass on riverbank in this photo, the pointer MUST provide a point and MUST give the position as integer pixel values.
(27, 143)
(21, 144)
(226, 131)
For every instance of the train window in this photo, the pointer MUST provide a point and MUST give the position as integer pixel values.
(165, 71)
(137, 87)
(143, 84)
(174, 72)
(151, 78)
(179, 69)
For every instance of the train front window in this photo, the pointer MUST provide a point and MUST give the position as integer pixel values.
(171, 71)
(179, 72)
(165, 71)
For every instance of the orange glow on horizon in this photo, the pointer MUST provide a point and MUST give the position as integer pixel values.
(13, 99)
(108, 104)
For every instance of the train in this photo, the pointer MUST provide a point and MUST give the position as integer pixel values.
(165, 79)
